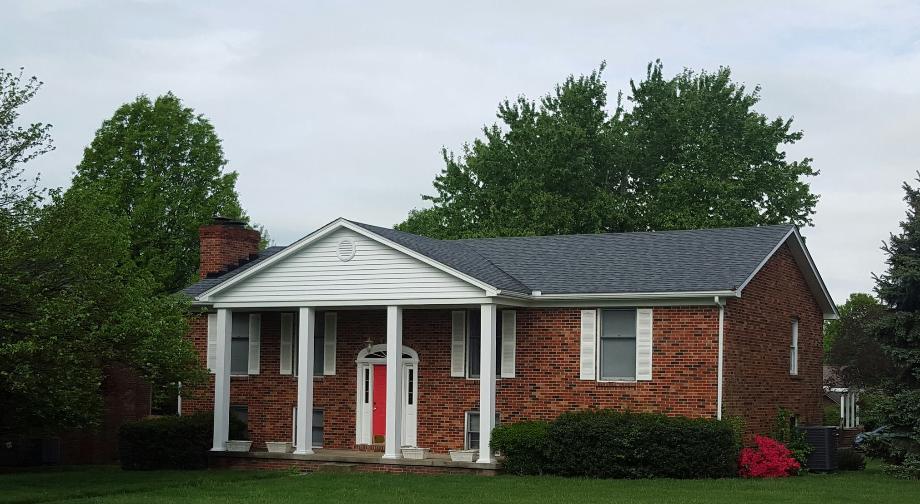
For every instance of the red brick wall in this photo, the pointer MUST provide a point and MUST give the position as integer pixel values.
(547, 384)
(225, 245)
(758, 329)
(126, 398)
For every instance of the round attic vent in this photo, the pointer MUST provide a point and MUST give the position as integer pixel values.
(346, 250)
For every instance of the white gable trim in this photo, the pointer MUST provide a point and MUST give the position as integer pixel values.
(329, 228)
(800, 254)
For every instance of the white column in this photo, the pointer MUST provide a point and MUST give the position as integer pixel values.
(393, 436)
(486, 382)
(304, 442)
(222, 380)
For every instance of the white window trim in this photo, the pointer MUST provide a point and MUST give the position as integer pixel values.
(597, 348)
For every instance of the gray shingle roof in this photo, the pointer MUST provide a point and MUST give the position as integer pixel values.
(452, 253)
(671, 261)
(615, 263)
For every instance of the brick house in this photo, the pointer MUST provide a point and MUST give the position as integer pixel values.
(305, 342)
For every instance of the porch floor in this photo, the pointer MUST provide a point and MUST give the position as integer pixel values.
(358, 460)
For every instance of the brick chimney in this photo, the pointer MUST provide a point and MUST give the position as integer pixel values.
(225, 244)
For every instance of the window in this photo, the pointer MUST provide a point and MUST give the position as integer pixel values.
(474, 344)
(410, 383)
(618, 345)
(316, 438)
(239, 344)
(241, 413)
(471, 441)
(794, 349)
(319, 340)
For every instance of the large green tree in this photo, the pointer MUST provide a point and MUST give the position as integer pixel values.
(18, 144)
(161, 166)
(72, 299)
(688, 151)
(850, 346)
(898, 329)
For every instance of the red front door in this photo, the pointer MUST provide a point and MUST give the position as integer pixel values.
(380, 403)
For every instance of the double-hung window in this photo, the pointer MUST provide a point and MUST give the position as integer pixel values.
(239, 344)
(794, 349)
(474, 344)
(319, 340)
(618, 345)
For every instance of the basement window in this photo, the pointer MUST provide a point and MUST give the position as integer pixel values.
(471, 436)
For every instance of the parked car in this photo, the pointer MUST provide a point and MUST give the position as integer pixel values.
(862, 438)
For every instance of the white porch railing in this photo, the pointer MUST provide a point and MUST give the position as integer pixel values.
(849, 409)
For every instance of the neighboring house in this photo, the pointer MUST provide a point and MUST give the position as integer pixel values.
(707, 323)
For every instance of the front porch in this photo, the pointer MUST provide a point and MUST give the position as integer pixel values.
(436, 409)
(330, 460)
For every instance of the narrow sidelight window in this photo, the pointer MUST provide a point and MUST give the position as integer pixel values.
(367, 385)
(618, 345)
(794, 349)
(411, 384)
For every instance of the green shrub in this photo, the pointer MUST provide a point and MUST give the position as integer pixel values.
(170, 442)
(523, 446)
(831, 415)
(609, 444)
(849, 459)
(909, 468)
(794, 439)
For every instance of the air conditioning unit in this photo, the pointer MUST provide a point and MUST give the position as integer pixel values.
(823, 441)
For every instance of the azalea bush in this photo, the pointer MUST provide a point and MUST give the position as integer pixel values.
(768, 459)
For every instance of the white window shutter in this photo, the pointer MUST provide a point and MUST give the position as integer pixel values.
(255, 342)
(287, 343)
(458, 344)
(588, 357)
(329, 343)
(212, 342)
(509, 342)
(644, 344)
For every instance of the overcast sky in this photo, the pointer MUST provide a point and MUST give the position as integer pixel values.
(340, 109)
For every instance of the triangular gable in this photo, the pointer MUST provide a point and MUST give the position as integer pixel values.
(807, 266)
(343, 262)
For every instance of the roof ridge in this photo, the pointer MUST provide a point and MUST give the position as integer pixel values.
(624, 233)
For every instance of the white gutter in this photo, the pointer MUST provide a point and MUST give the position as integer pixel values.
(721, 344)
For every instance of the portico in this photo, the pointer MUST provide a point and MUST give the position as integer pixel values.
(344, 267)
(396, 378)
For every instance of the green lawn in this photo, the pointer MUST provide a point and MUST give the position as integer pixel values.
(111, 485)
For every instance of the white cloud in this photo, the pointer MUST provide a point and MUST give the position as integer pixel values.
(331, 109)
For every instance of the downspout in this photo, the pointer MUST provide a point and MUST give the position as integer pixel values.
(721, 344)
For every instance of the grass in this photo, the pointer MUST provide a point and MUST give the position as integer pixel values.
(111, 486)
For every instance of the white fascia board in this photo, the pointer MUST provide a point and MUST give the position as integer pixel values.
(339, 223)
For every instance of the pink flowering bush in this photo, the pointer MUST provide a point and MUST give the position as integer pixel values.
(769, 459)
